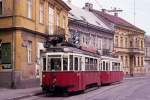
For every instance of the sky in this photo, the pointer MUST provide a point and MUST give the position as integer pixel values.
(142, 10)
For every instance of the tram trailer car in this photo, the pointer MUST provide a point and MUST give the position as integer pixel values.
(111, 70)
(71, 72)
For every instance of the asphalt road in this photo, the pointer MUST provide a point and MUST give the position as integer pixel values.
(130, 89)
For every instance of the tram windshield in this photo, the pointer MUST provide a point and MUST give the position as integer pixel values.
(54, 64)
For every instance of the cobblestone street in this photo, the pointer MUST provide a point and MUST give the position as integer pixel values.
(130, 89)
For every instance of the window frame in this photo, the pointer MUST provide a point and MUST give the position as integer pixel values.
(29, 9)
(41, 12)
(29, 52)
(50, 19)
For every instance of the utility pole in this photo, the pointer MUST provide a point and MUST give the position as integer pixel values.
(134, 12)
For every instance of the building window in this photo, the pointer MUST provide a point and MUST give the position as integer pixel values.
(51, 20)
(131, 44)
(64, 22)
(29, 52)
(126, 61)
(138, 61)
(1, 7)
(121, 42)
(116, 41)
(136, 42)
(126, 42)
(99, 44)
(58, 19)
(141, 44)
(29, 9)
(41, 12)
(141, 61)
(146, 52)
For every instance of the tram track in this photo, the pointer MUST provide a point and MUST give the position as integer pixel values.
(103, 90)
(89, 95)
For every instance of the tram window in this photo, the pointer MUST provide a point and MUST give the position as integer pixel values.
(54, 64)
(113, 66)
(91, 65)
(103, 65)
(106, 66)
(65, 63)
(71, 62)
(86, 63)
(95, 64)
(44, 64)
(80, 64)
(118, 66)
(76, 63)
(99, 66)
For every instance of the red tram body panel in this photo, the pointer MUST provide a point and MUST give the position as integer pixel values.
(71, 81)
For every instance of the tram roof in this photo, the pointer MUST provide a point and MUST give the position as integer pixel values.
(72, 50)
(111, 58)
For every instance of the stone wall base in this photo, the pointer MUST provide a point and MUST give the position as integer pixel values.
(7, 81)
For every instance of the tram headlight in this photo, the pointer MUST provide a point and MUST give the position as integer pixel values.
(54, 80)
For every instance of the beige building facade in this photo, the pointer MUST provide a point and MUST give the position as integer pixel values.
(24, 25)
(129, 47)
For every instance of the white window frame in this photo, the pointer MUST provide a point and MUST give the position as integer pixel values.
(41, 12)
(29, 52)
(29, 9)
(51, 19)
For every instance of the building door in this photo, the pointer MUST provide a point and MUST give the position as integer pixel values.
(132, 61)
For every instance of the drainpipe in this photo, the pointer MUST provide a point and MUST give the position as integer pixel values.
(13, 85)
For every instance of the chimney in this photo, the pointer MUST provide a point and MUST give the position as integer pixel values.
(88, 6)
(116, 14)
(104, 10)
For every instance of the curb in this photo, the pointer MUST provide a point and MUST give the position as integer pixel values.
(26, 96)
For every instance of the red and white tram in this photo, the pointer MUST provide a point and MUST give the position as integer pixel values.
(70, 69)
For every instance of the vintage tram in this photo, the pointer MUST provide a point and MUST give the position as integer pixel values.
(70, 69)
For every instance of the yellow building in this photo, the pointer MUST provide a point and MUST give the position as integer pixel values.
(129, 47)
(24, 24)
(128, 42)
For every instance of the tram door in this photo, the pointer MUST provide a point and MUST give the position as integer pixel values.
(78, 67)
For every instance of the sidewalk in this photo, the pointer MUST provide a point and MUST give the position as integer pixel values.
(137, 77)
(16, 94)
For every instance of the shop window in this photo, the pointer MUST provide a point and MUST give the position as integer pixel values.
(6, 55)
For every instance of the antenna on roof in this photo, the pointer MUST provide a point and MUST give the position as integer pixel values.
(134, 12)
(115, 10)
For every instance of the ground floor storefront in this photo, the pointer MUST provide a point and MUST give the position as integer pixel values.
(20, 53)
